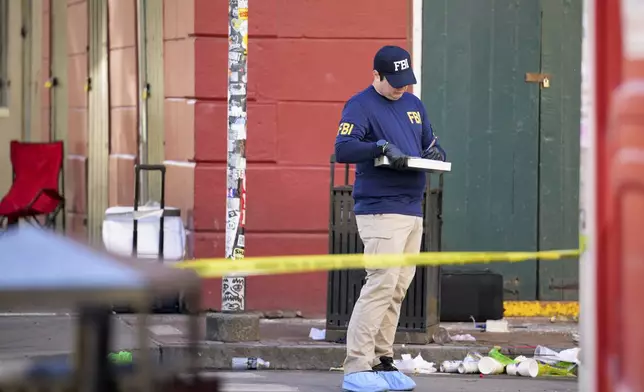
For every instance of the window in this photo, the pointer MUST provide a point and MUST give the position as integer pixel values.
(4, 53)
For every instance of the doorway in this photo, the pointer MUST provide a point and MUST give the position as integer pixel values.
(514, 144)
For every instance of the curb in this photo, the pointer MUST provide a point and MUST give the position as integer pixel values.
(218, 356)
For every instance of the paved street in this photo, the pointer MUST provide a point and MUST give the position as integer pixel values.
(28, 335)
(293, 381)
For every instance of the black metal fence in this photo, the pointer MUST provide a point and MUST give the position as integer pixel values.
(419, 316)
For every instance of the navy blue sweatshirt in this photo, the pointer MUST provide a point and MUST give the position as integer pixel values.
(366, 118)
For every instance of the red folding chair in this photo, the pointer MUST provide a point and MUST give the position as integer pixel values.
(35, 190)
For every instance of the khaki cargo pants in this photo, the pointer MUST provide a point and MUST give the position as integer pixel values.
(374, 320)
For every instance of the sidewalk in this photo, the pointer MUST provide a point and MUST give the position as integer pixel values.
(284, 342)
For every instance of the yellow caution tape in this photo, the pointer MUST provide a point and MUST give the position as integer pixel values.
(275, 265)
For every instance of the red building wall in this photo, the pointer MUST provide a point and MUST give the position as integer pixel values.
(306, 57)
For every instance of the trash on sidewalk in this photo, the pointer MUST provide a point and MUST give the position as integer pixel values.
(563, 363)
(477, 326)
(470, 364)
(491, 325)
(551, 357)
(250, 363)
(564, 319)
(317, 334)
(416, 365)
(463, 338)
(495, 353)
(441, 336)
(120, 357)
(526, 368)
(450, 366)
(546, 362)
(489, 365)
(496, 326)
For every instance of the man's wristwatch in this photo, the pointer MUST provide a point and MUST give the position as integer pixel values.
(382, 144)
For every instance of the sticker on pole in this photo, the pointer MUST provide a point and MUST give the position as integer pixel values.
(243, 13)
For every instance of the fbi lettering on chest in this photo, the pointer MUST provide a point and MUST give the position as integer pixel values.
(401, 65)
(414, 117)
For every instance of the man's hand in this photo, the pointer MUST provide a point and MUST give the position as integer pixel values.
(397, 159)
(434, 152)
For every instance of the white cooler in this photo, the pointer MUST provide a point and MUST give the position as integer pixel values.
(118, 230)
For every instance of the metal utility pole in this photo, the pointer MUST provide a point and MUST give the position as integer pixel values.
(234, 288)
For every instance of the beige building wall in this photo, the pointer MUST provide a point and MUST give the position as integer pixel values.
(123, 100)
(52, 92)
(11, 115)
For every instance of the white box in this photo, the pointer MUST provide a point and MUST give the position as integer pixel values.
(419, 164)
(118, 226)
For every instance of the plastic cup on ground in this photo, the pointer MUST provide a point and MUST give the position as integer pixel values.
(511, 369)
(468, 367)
(489, 365)
(450, 366)
(528, 368)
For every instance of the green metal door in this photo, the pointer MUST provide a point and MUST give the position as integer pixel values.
(559, 146)
(475, 56)
(512, 144)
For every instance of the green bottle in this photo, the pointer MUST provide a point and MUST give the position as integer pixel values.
(495, 353)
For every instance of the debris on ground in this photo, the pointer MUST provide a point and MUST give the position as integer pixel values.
(317, 334)
(492, 325)
(441, 336)
(121, 357)
(496, 326)
(564, 319)
(249, 363)
(416, 365)
(545, 362)
(463, 338)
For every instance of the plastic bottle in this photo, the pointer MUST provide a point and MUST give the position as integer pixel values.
(249, 363)
(500, 358)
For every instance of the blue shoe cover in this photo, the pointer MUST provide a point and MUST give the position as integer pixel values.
(398, 381)
(364, 382)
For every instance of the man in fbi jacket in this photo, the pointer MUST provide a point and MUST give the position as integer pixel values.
(384, 119)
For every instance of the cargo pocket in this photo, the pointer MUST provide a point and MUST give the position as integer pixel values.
(376, 235)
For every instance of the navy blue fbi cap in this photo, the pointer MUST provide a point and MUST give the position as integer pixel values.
(394, 63)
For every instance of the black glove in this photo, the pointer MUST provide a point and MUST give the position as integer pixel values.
(397, 159)
(435, 153)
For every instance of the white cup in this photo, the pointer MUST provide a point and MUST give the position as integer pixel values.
(468, 367)
(511, 369)
(450, 366)
(528, 368)
(489, 365)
